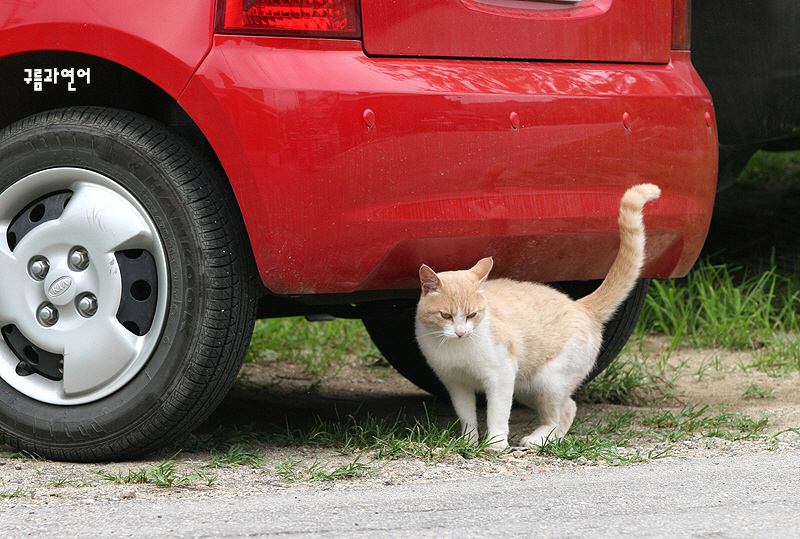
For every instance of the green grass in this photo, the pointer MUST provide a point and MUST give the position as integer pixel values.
(165, 474)
(766, 168)
(321, 348)
(19, 492)
(372, 440)
(705, 421)
(294, 471)
(401, 435)
(780, 357)
(235, 454)
(219, 441)
(22, 455)
(600, 438)
(717, 307)
(755, 392)
(398, 436)
(69, 480)
(607, 437)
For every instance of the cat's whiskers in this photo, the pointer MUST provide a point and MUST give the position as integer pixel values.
(435, 333)
(443, 338)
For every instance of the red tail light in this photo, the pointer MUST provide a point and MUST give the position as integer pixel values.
(681, 24)
(321, 18)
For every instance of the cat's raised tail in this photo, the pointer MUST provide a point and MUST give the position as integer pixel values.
(625, 271)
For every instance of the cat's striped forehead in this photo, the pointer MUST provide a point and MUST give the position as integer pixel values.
(458, 290)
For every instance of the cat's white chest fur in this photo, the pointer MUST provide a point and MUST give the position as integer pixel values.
(473, 359)
(473, 362)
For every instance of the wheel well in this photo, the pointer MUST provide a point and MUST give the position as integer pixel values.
(110, 85)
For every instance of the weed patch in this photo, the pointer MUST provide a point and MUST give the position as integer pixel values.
(294, 471)
(165, 474)
(719, 307)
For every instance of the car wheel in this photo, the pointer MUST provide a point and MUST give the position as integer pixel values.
(126, 285)
(395, 338)
(620, 328)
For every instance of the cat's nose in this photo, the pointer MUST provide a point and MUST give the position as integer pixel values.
(460, 332)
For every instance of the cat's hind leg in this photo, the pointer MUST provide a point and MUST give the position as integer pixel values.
(551, 428)
(550, 391)
(554, 407)
(567, 415)
(552, 433)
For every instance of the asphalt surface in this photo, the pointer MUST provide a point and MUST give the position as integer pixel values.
(754, 496)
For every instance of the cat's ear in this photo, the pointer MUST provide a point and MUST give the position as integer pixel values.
(482, 268)
(429, 280)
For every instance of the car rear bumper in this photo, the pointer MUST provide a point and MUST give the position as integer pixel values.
(352, 170)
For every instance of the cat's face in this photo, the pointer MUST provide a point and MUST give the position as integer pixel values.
(452, 304)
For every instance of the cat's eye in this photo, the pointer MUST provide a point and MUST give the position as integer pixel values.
(472, 315)
(446, 316)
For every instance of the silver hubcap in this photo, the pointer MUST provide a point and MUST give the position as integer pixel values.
(76, 325)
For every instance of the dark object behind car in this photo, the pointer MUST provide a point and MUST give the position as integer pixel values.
(748, 55)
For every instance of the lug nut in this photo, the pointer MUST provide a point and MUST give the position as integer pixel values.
(38, 267)
(48, 315)
(79, 259)
(87, 305)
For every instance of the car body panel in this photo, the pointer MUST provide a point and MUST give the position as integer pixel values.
(164, 42)
(589, 30)
(336, 203)
(350, 169)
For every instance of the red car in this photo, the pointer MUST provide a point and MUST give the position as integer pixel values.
(171, 170)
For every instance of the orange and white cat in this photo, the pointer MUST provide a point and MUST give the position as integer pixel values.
(523, 340)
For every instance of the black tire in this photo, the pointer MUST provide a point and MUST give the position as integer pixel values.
(620, 328)
(395, 338)
(151, 221)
